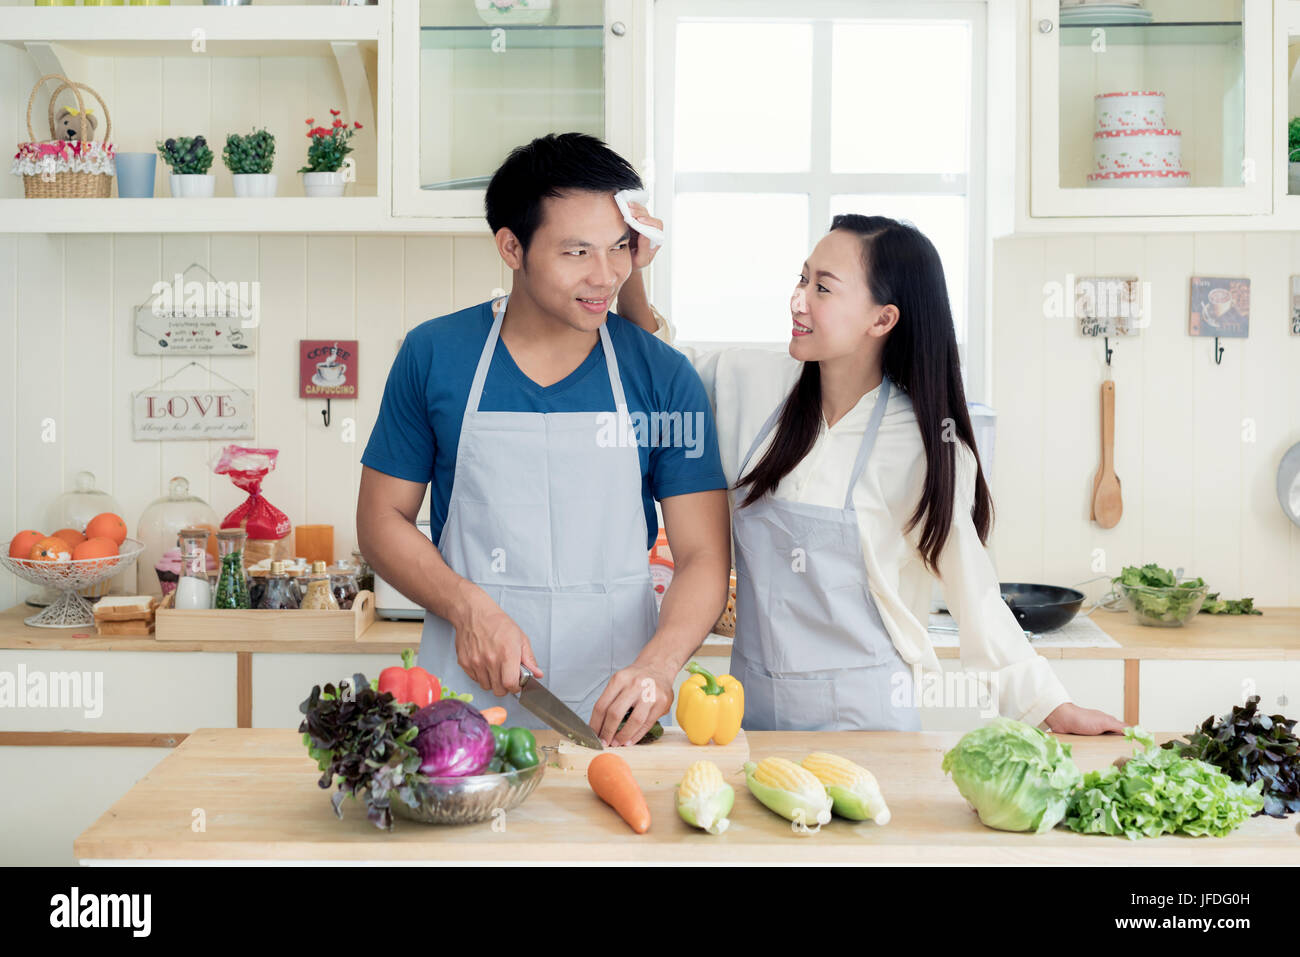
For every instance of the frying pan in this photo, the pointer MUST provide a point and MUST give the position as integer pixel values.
(1041, 608)
(1038, 608)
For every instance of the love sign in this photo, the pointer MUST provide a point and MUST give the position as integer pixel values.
(193, 414)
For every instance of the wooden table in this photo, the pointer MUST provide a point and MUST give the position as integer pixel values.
(257, 792)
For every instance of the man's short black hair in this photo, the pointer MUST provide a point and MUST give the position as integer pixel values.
(545, 167)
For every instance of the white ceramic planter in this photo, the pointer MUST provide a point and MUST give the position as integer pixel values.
(192, 185)
(323, 184)
(254, 185)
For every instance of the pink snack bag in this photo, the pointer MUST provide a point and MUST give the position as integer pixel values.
(258, 517)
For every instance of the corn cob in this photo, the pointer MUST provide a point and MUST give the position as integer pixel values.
(853, 789)
(704, 799)
(790, 791)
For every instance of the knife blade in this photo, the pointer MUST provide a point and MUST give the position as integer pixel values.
(537, 698)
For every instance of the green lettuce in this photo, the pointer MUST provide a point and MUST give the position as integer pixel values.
(1016, 777)
(1156, 792)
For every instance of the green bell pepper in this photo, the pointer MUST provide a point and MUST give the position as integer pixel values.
(521, 748)
(501, 736)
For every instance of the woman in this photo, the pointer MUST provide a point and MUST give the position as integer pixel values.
(856, 482)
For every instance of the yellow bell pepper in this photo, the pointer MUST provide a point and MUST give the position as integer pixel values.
(710, 707)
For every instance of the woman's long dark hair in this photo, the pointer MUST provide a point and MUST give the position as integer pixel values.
(920, 356)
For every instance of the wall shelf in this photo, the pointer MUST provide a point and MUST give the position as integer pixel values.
(171, 31)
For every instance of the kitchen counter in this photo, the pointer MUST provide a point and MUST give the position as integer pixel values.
(260, 802)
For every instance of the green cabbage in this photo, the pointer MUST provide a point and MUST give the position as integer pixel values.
(1015, 776)
(1158, 791)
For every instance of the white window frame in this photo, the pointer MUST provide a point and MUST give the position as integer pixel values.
(819, 183)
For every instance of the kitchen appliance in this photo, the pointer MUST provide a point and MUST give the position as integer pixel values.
(1288, 483)
(391, 603)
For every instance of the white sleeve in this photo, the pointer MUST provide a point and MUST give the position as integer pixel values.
(992, 641)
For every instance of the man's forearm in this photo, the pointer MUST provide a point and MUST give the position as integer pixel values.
(690, 608)
(634, 304)
(405, 558)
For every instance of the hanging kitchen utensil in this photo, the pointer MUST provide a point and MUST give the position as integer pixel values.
(1107, 506)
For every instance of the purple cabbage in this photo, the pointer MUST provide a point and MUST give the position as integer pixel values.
(454, 739)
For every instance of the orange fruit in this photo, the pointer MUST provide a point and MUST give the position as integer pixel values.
(21, 545)
(51, 550)
(95, 548)
(107, 525)
(69, 535)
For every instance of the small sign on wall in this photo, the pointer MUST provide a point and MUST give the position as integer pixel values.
(198, 414)
(185, 316)
(1109, 306)
(1220, 307)
(327, 369)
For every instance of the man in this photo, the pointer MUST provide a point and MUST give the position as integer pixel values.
(518, 411)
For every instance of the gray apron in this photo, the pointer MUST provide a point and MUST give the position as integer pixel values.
(811, 650)
(550, 523)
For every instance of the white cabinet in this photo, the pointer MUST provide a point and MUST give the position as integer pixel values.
(466, 92)
(1211, 154)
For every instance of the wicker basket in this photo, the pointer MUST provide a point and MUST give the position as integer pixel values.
(726, 624)
(68, 184)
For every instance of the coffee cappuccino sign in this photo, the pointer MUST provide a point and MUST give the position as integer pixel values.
(198, 414)
(327, 368)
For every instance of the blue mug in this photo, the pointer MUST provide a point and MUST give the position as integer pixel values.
(135, 174)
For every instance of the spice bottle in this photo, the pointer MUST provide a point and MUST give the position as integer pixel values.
(318, 594)
(279, 591)
(232, 585)
(343, 582)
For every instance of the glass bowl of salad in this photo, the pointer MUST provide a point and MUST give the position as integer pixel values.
(1164, 606)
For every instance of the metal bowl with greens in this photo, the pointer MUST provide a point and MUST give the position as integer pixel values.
(438, 764)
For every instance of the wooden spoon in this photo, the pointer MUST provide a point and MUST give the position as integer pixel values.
(1107, 507)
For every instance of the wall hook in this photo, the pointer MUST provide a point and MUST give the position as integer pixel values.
(1109, 350)
(325, 413)
(1218, 351)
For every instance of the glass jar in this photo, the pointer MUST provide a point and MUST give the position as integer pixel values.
(159, 525)
(317, 594)
(343, 582)
(279, 593)
(232, 585)
(192, 589)
(256, 588)
(365, 574)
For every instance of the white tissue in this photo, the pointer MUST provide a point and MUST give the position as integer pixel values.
(625, 196)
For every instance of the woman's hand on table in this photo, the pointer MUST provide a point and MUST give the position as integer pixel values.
(1069, 718)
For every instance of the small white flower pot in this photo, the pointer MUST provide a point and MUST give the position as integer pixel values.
(254, 185)
(323, 184)
(192, 185)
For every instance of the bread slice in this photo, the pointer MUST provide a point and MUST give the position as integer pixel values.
(125, 608)
(110, 627)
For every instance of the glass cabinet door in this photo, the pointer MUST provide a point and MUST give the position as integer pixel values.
(1157, 107)
(476, 78)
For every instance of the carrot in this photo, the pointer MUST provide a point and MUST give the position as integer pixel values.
(611, 778)
(494, 715)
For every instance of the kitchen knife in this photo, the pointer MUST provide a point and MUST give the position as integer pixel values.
(534, 696)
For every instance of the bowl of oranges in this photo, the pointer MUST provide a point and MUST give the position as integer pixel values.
(69, 561)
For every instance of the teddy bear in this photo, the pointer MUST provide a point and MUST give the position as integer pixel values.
(67, 124)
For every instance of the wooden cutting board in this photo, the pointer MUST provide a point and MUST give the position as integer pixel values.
(673, 752)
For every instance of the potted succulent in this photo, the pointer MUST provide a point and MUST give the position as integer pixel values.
(1293, 156)
(323, 174)
(249, 158)
(189, 159)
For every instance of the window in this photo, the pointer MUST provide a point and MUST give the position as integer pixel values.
(772, 116)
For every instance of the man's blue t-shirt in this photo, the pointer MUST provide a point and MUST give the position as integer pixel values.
(418, 429)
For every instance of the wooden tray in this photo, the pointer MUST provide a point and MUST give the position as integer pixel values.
(171, 624)
(672, 753)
